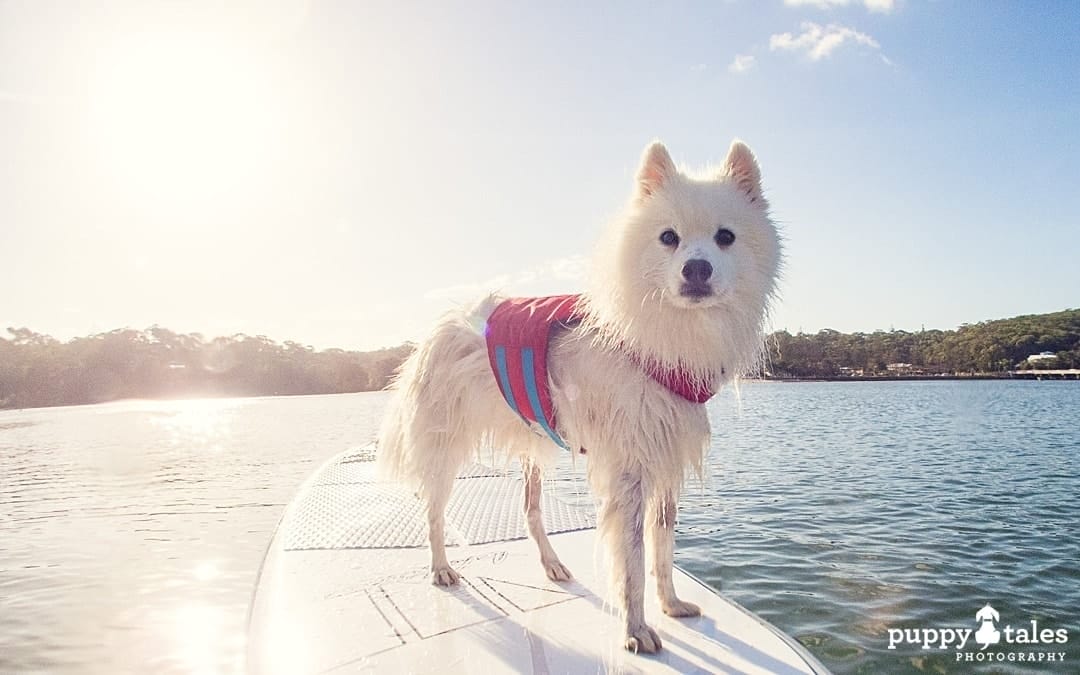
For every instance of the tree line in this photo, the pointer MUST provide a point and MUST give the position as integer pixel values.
(38, 370)
(988, 347)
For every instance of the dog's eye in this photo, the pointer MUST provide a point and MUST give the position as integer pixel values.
(669, 238)
(724, 237)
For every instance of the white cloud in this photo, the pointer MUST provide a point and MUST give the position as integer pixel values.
(469, 291)
(881, 6)
(818, 42)
(741, 64)
(546, 277)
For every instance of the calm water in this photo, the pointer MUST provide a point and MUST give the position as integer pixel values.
(130, 533)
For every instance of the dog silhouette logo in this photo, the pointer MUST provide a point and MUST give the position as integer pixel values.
(988, 634)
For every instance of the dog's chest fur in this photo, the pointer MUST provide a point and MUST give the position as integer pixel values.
(606, 403)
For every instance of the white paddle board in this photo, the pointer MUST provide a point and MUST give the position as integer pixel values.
(345, 587)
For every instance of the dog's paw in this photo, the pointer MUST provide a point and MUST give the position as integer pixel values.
(556, 571)
(679, 607)
(642, 640)
(444, 576)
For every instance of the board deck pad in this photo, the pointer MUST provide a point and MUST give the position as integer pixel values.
(345, 587)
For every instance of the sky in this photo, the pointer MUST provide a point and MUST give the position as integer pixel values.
(339, 174)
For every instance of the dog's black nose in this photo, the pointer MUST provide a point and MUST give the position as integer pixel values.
(697, 271)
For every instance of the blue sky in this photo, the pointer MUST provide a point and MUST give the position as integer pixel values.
(340, 173)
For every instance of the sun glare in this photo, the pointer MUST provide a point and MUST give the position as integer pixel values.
(182, 118)
(198, 632)
(199, 423)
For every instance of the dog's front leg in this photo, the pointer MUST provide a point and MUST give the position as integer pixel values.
(622, 520)
(660, 521)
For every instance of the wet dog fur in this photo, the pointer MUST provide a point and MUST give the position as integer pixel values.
(694, 301)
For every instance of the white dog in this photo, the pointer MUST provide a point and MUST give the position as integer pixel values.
(680, 288)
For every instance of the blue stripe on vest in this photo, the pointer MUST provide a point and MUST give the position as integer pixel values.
(504, 381)
(534, 396)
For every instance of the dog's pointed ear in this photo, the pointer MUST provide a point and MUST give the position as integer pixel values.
(656, 169)
(742, 168)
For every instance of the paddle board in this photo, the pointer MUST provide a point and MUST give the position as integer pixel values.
(345, 587)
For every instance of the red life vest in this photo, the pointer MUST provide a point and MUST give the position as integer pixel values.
(517, 335)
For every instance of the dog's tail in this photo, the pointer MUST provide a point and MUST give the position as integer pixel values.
(439, 407)
(391, 456)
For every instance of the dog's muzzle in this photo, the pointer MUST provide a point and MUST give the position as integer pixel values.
(696, 273)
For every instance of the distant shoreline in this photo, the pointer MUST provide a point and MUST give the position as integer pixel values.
(1017, 375)
(36, 370)
(197, 396)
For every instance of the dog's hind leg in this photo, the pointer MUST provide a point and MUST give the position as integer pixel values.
(660, 524)
(437, 495)
(554, 568)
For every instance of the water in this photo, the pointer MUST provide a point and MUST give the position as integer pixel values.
(131, 533)
(840, 510)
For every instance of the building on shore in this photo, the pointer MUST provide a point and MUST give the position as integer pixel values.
(1041, 357)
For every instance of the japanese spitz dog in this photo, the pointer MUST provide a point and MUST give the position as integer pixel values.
(679, 290)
